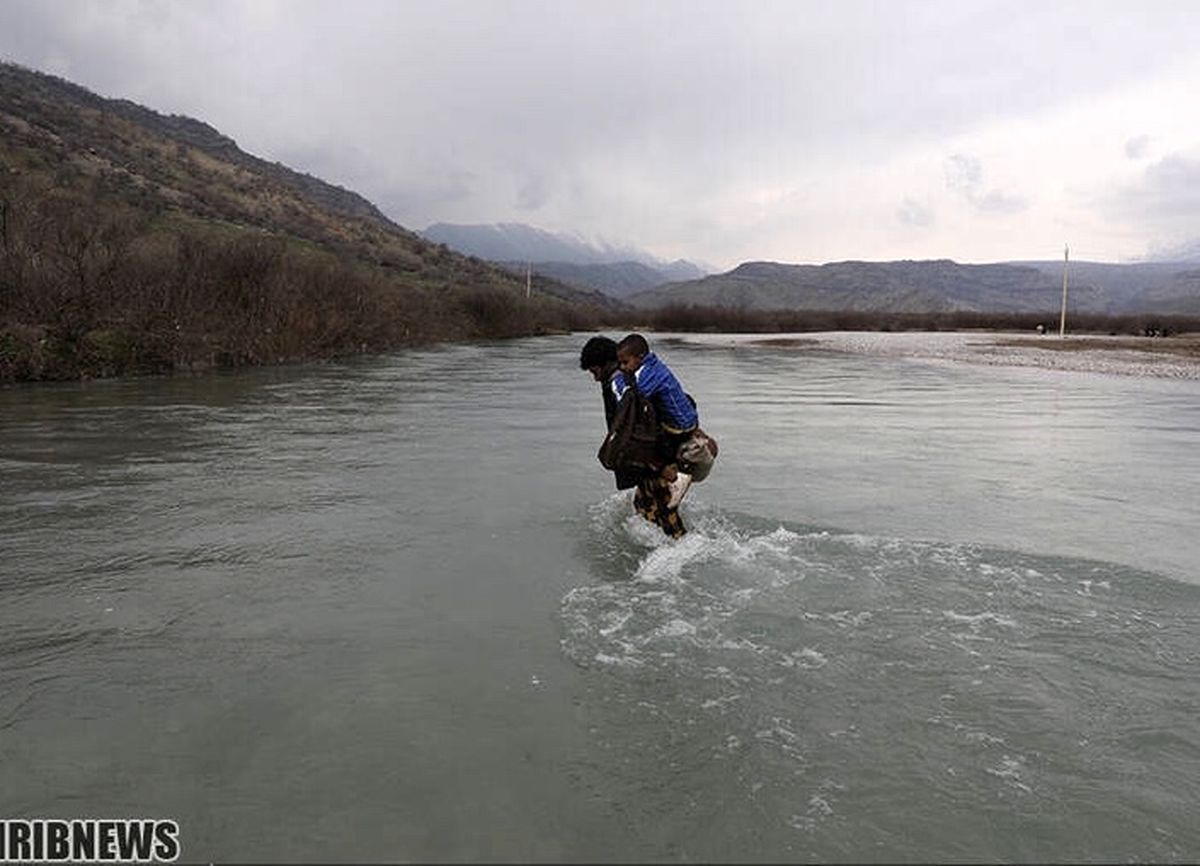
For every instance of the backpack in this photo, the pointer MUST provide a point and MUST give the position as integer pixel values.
(632, 441)
(696, 455)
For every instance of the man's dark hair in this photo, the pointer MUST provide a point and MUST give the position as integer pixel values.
(635, 344)
(598, 352)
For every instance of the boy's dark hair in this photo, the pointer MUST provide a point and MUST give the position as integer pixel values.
(598, 352)
(634, 344)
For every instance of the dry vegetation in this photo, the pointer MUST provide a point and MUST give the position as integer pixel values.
(701, 319)
(90, 287)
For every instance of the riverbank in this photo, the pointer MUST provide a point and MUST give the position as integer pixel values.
(1176, 357)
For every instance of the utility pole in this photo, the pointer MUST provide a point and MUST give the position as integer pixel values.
(1062, 322)
(528, 279)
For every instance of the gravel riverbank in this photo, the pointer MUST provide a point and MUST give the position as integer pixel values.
(1168, 357)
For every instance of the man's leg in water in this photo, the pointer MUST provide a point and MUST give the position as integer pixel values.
(651, 498)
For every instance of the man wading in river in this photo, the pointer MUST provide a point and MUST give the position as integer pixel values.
(654, 441)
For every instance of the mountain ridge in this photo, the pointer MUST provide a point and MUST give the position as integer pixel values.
(937, 285)
(135, 241)
(187, 131)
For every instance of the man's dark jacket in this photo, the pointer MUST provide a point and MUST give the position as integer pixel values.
(625, 478)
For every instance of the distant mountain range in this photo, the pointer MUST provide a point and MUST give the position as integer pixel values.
(616, 271)
(940, 286)
(637, 278)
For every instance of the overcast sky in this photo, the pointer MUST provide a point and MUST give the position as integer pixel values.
(720, 132)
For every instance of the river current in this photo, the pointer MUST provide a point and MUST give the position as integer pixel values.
(394, 610)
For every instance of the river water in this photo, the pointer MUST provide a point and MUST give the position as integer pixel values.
(394, 610)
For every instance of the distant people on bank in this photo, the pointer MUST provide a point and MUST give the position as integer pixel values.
(654, 440)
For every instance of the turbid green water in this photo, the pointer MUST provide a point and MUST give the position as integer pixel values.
(394, 610)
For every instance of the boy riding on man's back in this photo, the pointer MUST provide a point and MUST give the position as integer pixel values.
(654, 442)
(677, 415)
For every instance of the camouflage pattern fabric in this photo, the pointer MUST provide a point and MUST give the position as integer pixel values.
(651, 498)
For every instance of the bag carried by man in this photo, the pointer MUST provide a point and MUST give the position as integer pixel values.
(631, 443)
(696, 455)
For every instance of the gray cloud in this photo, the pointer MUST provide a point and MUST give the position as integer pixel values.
(1137, 146)
(964, 175)
(1181, 251)
(620, 118)
(1167, 193)
(999, 202)
(533, 192)
(913, 213)
(1164, 201)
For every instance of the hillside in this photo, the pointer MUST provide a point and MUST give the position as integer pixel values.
(1142, 287)
(132, 241)
(1180, 295)
(906, 286)
(936, 286)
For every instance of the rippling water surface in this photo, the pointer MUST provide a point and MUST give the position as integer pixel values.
(393, 610)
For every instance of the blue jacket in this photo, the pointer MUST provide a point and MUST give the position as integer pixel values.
(655, 381)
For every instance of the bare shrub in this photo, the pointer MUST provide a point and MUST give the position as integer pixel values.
(93, 287)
